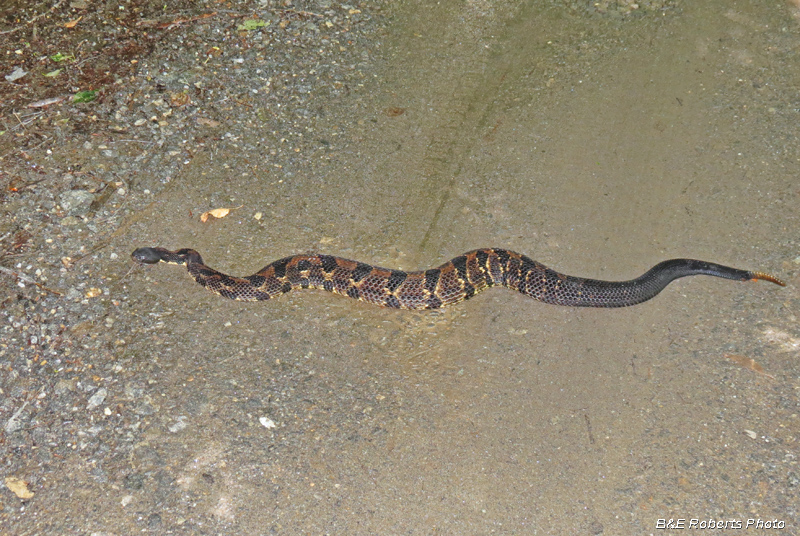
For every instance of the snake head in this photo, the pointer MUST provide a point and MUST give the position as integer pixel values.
(147, 255)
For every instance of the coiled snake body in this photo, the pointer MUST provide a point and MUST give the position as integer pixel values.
(452, 282)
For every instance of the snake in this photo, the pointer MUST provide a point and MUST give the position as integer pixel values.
(456, 280)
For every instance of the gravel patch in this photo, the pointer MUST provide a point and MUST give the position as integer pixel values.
(102, 107)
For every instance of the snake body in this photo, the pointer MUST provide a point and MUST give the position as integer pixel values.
(454, 281)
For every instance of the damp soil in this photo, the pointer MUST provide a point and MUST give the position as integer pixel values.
(596, 137)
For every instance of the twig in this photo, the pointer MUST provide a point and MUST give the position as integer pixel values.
(16, 116)
(425, 351)
(20, 118)
(176, 22)
(134, 141)
(46, 102)
(11, 425)
(27, 279)
(589, 428)
(92, 251)
(34, 19)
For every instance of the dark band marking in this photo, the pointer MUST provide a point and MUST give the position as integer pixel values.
(433, 302)
(432, 279)
(256, 280)
(227, 293)
(396, 279)
(391, 301)
(469, 290)
(329, 263)
(279, 267)
(502, 256)
(204, 270)
(513, 274)
(361, 271)
(460, 263)
(226, 280)
(483, 265)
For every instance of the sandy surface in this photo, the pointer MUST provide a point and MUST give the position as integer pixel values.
(598, 142)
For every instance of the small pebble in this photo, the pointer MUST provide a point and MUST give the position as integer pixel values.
(97, 398)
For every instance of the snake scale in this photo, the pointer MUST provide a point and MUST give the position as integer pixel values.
(450, 283)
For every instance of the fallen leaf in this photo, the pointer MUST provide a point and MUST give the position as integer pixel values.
(251, 24)
(748, 363)
(19, 487)
(394, 111)
(85, 96)
(61, 57)
(179, 99)
(18, 73)
(207, 122)
(217, 213)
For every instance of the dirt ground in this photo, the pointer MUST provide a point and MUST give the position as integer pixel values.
(596, 137)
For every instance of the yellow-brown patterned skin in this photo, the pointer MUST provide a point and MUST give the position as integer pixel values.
(454, 281)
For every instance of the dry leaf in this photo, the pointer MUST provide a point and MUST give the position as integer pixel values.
(207, 122)
(19, 487)
(73, 23)
(217, 213)
(748, 363)
(179, 99)
(394, 111)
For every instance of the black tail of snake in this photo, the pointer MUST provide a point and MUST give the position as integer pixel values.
(452, 282)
